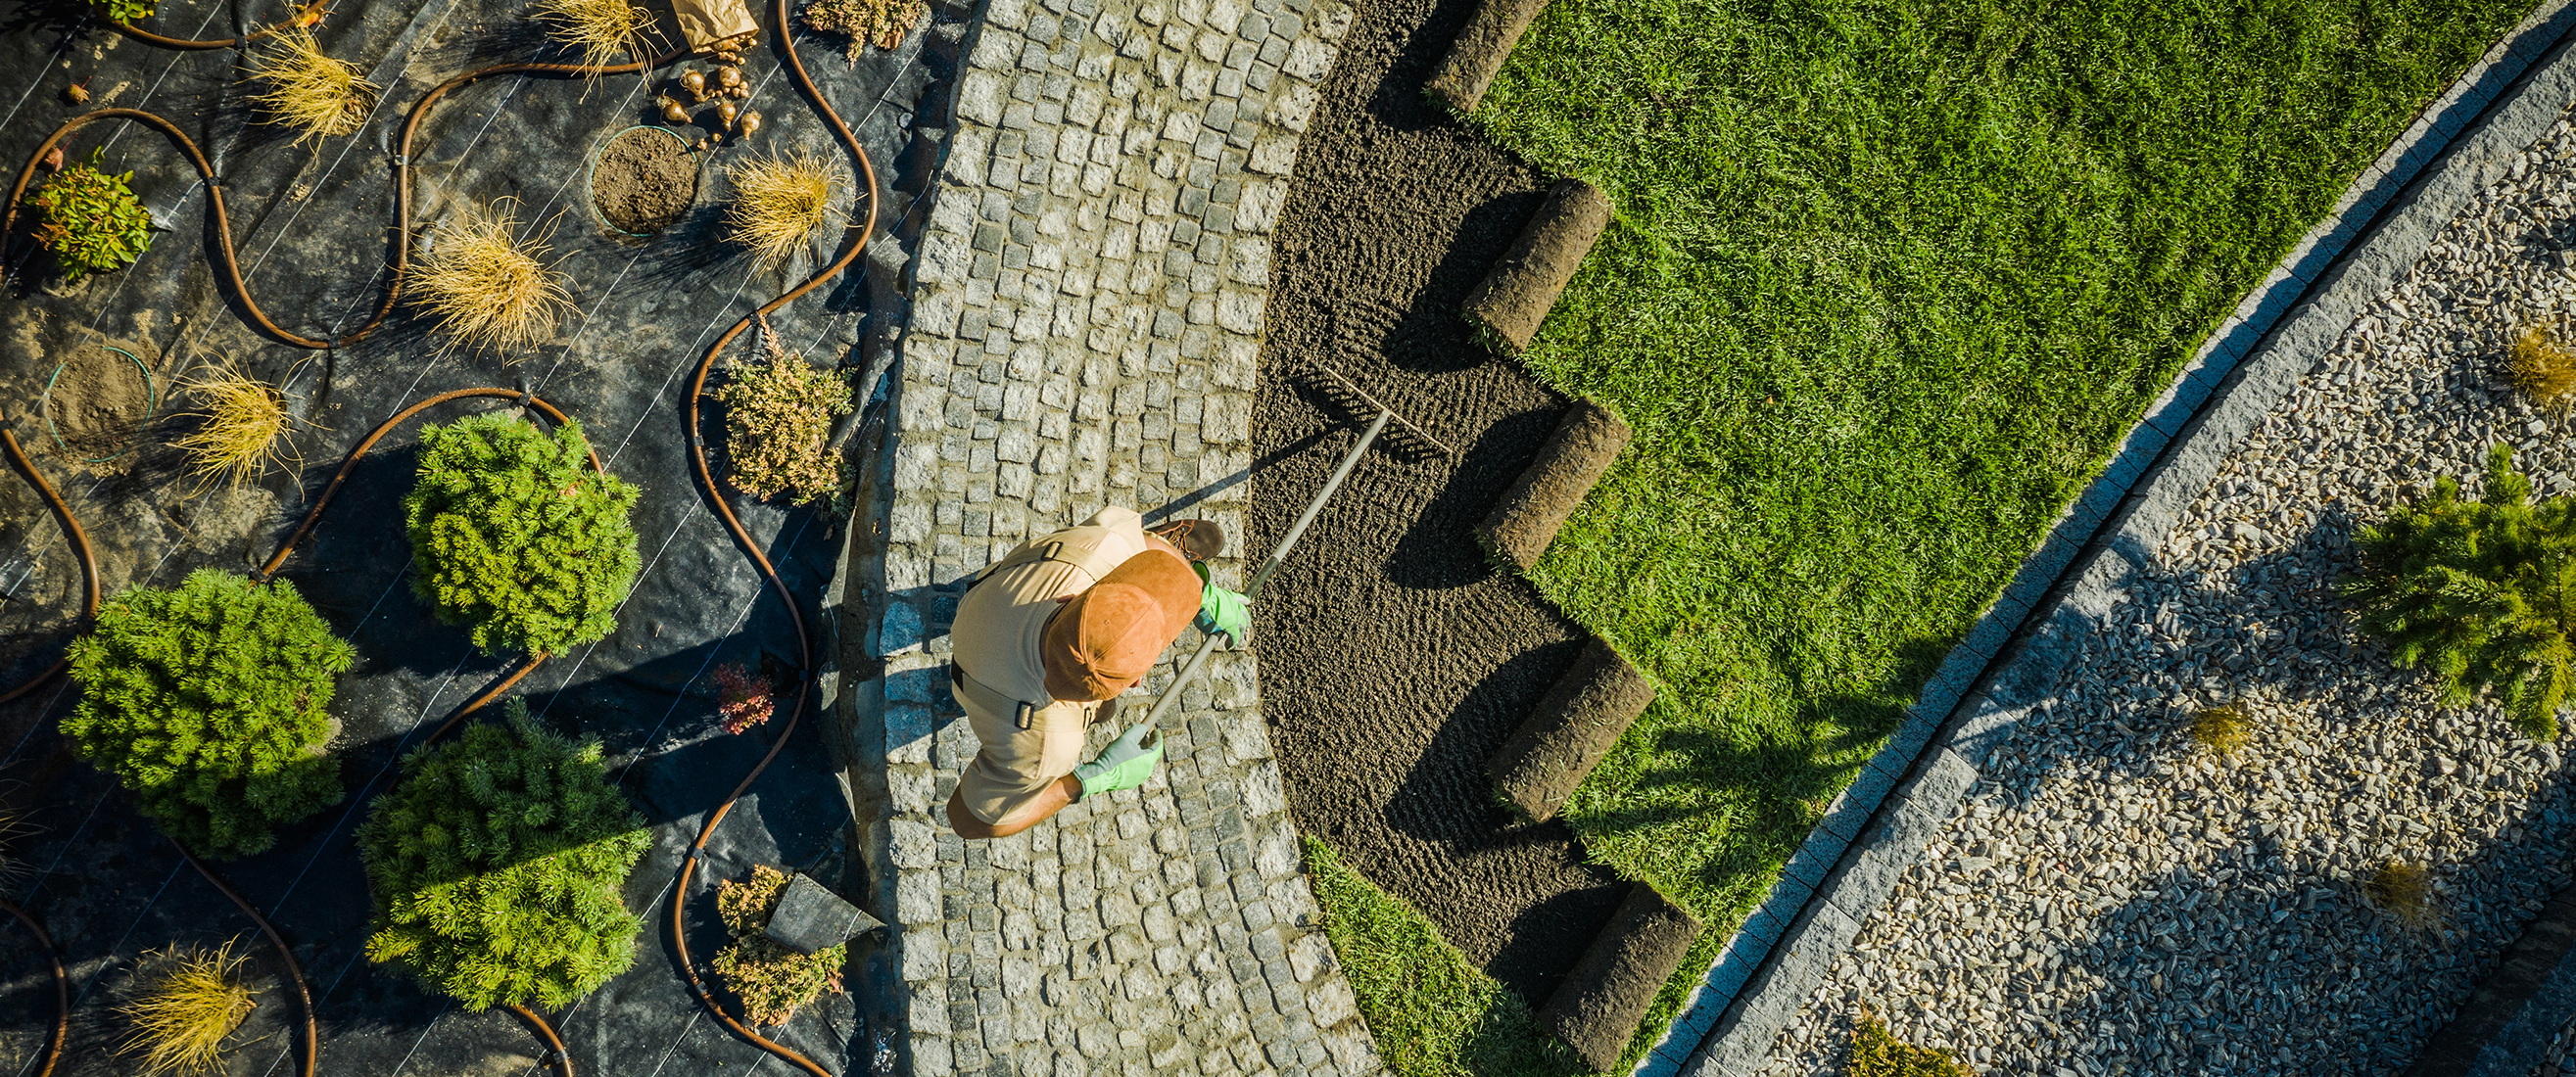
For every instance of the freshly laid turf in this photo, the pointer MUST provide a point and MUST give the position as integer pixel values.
(1431, 1011)
(1888, 282)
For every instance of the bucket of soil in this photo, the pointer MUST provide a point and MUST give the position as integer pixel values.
(643, 180)
(96, 402)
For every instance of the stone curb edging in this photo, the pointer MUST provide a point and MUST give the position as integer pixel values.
(1087, 305)
(2505, 1026)
(1873, 832)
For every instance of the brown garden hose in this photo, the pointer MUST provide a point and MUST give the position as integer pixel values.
(71, 530)
(228, 261)
(561, 1058)
(294, 970)
(306, 15)
(852, 248)
(62, 990)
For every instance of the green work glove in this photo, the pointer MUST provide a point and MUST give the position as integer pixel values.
(1224, 611)
(1124, 764)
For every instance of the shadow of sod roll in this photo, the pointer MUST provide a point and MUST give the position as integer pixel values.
(1566, 735)
(1507, 307)
(1460, 81)
(1601, 1001)
(1573, 458)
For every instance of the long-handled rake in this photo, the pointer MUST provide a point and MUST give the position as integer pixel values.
(1406, 439)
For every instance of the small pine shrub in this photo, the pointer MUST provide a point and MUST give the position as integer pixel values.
(2403, 891)
(2543, 368)
(91, 220)
(1876, 1052)
(186, 1002)
(496, 866)
(743, 698)
(770, 979)
(515, 538)
(2483, 592)
(778, 425)
(2221, 729)
(207, 703)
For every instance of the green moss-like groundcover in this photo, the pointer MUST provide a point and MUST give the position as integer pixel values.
(1887, 284)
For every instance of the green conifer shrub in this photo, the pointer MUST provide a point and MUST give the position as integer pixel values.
(496, 866)
(2483, 592)
(206, 701)
(90, 219)
(515, 538)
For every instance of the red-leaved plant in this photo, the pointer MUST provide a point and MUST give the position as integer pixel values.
(742, 697)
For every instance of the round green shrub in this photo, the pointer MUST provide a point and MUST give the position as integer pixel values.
(515, 538)
(496, 865)
(207, 702)
(2483, 592)
(91, 220)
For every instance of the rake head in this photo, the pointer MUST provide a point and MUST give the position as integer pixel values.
(1350, 403)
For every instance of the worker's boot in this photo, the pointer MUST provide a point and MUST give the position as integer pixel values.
(1197, 540)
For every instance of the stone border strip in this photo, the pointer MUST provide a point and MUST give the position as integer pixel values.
(2505, 1027)
(1875, 829)
(1087, 304)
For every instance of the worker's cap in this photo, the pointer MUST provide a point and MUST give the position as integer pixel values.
(1106, 638)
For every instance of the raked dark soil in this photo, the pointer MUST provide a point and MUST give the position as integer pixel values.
(1395, 657)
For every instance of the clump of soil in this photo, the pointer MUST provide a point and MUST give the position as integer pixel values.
(644, 180)
(98, 403)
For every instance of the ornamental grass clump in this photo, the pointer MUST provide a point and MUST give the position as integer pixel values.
(883, 23)
(778, 425)
(236, 439)
(1876, 1052)
(2543, 368)
(185, 1002)
(2221, 729)
(2483, 592)
(484, 285)
(599, 30)
(496, 866)
(90, 220)
(778, 201)
(207, 702)
(770, 979)
(2404, 891)
(515, 538)
(309, 91)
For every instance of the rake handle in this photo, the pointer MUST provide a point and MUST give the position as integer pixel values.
(1171, 696)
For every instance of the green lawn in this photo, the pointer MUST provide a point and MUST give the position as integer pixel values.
(1887, 284)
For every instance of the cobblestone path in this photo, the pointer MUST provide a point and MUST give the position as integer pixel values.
(1087, 311)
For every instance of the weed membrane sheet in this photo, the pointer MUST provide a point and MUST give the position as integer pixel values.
(311, 224)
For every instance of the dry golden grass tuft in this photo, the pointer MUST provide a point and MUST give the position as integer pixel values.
(778, 201)
(2221, 729)
(600, 30)
(237, 440)
(309, 91)
(14, 831)
(188, 1001)
(2404, 891)
(485, 286)
(2543, 367)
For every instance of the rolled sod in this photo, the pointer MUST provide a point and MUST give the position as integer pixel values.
(1566, 735)
(1602, 1000)
(1516, 296)
(1574, 457)
(1479, 52)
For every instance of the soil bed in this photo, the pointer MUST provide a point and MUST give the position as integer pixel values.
(2112, 895)
(644, 180)
(98, 402)
(1395, 656)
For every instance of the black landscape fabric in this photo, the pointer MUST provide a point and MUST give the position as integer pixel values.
(311, 223)
(1394, 656)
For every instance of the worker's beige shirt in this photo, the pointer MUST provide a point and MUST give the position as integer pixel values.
(996, 636)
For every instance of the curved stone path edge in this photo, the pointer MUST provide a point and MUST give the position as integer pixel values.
(2012, 658)
(1087, 306)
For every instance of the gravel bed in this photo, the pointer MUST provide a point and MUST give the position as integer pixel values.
(2112, 898)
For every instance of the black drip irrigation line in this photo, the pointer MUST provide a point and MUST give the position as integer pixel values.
(855, 243)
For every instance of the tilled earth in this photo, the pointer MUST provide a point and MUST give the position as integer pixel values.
(1395, 656)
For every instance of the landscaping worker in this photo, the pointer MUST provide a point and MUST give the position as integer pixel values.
(1047, 638)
